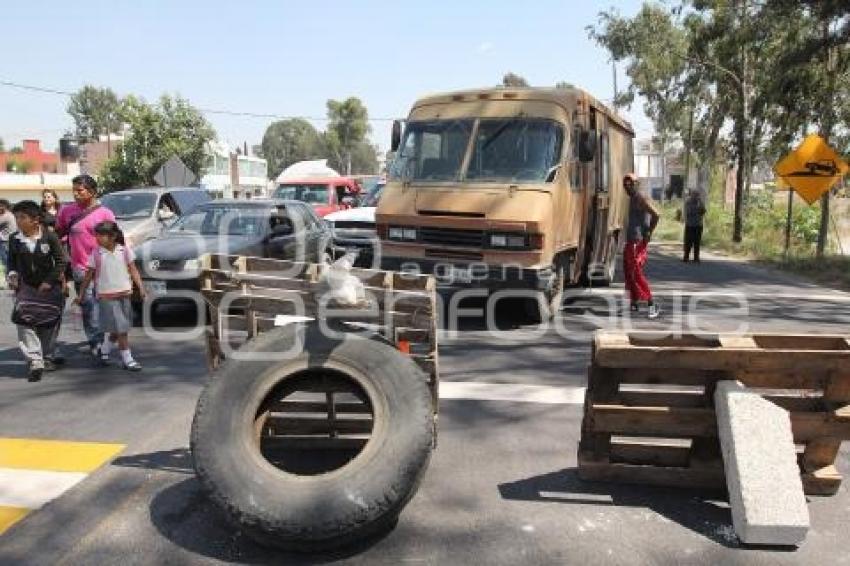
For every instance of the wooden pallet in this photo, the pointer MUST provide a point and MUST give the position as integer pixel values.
(246, 294)
(649, 411)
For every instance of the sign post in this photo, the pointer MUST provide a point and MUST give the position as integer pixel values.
(788, 223)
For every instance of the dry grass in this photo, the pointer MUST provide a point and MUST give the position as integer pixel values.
(764, 238)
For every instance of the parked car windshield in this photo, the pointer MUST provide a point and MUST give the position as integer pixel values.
(130, 205)
(314, 194)
(432, 150)
(218, 220)
(515, 150)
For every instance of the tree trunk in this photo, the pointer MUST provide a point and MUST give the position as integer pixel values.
(740, 137)
(826, 132)
(741, 177)
(738, 225)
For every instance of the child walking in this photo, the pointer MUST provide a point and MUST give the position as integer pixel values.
(36, 266)
(112, 269)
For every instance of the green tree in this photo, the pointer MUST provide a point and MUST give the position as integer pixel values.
(2, 147)
(810, 79)
(364, 159)
(18, 166)
(289, 141)
(728, 63)
(157, 132)
(652, 44)
(348, 124)
(96, 111)
(512, 79)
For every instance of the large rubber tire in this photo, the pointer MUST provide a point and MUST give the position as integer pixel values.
(606, 278)
(546, 304)
(315, 512)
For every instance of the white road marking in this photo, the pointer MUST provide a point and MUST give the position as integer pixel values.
(544, 394)
(836, 297)
(33, 488)
(284, 319)
(580, 497)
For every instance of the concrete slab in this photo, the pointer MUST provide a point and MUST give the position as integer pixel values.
(765, 490)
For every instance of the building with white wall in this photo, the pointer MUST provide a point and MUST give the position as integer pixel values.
(229, 174)
(15, 186)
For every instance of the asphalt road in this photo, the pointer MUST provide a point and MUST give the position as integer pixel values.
(501, 488)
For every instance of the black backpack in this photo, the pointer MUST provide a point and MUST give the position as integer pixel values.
(36, 309)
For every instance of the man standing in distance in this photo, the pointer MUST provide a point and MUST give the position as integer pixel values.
(694, 211)
(77, 222)
(643, 218)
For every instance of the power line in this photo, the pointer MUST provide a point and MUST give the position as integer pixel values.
(36, 88)
(205, 110)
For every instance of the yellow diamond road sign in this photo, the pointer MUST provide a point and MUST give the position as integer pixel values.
(811, 169)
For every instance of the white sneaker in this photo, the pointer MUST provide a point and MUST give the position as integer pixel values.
(653, 312)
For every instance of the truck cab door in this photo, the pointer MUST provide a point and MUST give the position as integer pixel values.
(594, 219)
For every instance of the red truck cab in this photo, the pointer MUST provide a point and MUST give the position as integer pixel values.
(324, 194)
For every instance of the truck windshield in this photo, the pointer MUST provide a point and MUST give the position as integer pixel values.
(432, 151)
(515, 150)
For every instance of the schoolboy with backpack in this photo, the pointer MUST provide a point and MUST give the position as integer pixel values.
(37, 264)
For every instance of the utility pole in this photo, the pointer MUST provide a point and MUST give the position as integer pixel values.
(614, 71)
(234, 175)
(688, 147)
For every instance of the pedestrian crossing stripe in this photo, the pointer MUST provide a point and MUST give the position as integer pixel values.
(55, 455)
(33, 472)
(10, 515)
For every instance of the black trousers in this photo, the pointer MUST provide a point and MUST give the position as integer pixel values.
(693, 237)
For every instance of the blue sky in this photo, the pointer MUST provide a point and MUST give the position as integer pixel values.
(289, 57)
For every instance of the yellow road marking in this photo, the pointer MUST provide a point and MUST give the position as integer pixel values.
(10, 515)
(55, 455)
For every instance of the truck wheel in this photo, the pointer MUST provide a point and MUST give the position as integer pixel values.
(293, 480)
(605, 277)
(547, 304)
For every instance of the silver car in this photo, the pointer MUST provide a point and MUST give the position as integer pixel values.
(143, 213)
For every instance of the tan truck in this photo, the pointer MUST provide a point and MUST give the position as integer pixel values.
(508, 188)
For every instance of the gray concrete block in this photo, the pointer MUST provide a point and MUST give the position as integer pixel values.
(765, 490)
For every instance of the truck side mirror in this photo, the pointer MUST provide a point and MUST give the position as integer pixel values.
(395, 139)
(587, 146)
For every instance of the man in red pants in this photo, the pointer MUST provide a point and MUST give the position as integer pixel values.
(643, 218)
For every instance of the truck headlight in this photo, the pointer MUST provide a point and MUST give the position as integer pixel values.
(508, 241)
(191, 264)
(400, 233)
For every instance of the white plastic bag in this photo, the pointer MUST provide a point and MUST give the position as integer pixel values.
(344, 289)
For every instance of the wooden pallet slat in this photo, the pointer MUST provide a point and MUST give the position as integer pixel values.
(316, 425)
(317, 407)
(313, 442)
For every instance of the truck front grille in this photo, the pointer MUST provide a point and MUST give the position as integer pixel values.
(452, 237)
